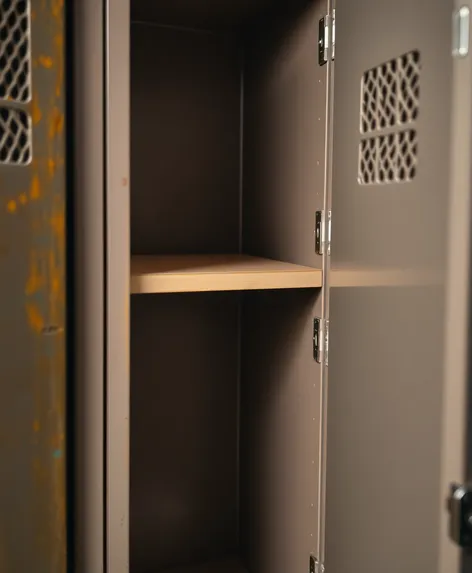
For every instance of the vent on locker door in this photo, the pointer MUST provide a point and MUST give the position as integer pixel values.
(389, 101)
(15, 66)
(15, 82)
(15, 137)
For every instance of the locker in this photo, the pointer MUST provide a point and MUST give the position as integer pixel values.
(258, 345)
(34, 237)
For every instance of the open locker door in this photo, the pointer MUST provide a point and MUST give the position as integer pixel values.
(399, 285)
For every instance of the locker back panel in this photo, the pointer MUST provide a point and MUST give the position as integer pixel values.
(185, 124)
(184, 373)
(284, 136)
(32, 287)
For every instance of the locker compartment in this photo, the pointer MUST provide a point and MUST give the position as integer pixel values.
(227, 142)
(223, 395)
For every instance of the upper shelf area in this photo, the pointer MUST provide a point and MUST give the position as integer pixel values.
(203, 273)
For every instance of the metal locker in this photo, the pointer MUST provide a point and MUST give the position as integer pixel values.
(256, 348)
(33, 287)
(391, 234)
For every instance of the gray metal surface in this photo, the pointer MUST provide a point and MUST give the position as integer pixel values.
(392, 224)
(185, 129)
(210, 15)
(89, 255)
(384, 429)
(284, 136)
(279, 452)
(184, 425)
(117, 165)
(33, 527)
(398, 354)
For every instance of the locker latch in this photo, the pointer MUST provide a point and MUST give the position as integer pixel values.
(326, 39)
(460, 514)
(315, 565)
(323, 232)
(461, 32)
(320, 340)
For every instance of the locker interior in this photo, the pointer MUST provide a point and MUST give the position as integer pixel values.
(227, 156)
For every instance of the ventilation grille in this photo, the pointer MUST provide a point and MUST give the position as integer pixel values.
(389, 102)
(388, 158)
(15, 136)
(15, 66)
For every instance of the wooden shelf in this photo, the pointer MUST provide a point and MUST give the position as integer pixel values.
(200, 273)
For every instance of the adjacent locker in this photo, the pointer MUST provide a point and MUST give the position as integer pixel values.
(33, 289)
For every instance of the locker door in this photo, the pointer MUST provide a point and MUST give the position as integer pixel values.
(32, 287)
(399, 286)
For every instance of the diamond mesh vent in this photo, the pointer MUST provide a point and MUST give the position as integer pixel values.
(15, 137)
(389, 101)
(15, 66)
(390, 158)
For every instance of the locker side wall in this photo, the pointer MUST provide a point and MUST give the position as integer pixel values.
(279, 442)
(284, 135)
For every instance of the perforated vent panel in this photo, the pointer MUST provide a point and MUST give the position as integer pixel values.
(390, 158)
(15, 67)
(390, 95)
(15, 136)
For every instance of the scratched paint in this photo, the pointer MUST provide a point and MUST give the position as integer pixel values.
(32, 329)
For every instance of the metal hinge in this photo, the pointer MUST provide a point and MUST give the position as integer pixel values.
(315, 565)
(321, 340)
(326, 38)
(323, 232)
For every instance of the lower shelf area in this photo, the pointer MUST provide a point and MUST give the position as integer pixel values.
(204, 273)
(226, 565)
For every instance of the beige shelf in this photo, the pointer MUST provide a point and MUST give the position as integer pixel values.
(200, 273)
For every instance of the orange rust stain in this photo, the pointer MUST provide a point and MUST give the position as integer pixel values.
(36, 426)
(35, 188)
(58, 224)
(55, 275)
(35, 111)
(11, 206)
(57, 7)
(56, 123)
(23, 199)
(51, 167)
(35, 318)
(33, 15)
(35, 279)
(45, 61)
(59, 44)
